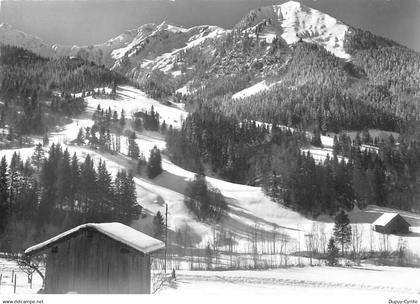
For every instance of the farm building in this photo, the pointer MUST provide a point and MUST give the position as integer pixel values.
(99, 259)
(391, 223)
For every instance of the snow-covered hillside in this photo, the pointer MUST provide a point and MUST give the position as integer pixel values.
(249, 208)
(293, 21)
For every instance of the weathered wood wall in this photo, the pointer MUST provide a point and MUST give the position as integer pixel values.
(93, 263)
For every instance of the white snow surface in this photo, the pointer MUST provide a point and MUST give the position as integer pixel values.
(321, 282)
(384, 219)
(117, 231)
(133, 100)
(252, 90)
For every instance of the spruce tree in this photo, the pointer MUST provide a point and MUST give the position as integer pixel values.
(104, 184)
(154, 167)
(45, 140)
(133, 148)
(4, 194)
(75, 180)
(122, 118)
(64, 180)
(342, 230)
(88, 184)
(159, 227)
(38, 156)
(332, 251)
(80, 140)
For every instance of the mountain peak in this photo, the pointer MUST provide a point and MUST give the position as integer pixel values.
(293, 21)
(291, 4)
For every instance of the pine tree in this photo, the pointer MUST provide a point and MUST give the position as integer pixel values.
(4, 194)
(45, 140)
(133, 148)
(141, 164)
(64, 180)
(75, 180)
(159, 227)
(342, 230)
(163, 127)
(125, 197)
(105, 188)
(80, 140)
(154, 167)
(122, 118)
(332, 251)
(87, 184)
(38, 156)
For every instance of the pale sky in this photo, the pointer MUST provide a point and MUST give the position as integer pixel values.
(95, 21)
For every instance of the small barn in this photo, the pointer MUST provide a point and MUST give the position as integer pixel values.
(391, 223)
(108, 258)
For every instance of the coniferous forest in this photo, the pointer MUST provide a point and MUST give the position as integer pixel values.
(247, 153)
(53, 191)
(38, 92)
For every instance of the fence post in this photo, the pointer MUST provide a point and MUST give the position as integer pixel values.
(13, 274)
(1, 276)
(14, 286)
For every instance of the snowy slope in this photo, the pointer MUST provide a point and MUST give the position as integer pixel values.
(249, 207)
(292, 21)
(252, 90)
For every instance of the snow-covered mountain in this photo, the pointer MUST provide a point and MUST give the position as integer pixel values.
(177, 51)
(293, 21)
(11, 36)
(145, 44)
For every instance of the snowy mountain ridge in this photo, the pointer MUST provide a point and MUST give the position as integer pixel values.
(293, 21)
(143, 44)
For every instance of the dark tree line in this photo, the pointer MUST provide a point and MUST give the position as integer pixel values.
(56, 191)
(222, 142)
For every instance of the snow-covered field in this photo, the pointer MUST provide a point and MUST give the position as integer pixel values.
(9, 267)
(320, 281)
(316, 281)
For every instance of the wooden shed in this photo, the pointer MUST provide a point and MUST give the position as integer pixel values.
(391, 223)
(98, 259)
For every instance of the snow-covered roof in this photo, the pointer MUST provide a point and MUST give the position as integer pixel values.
(384, 219)
(117, 231)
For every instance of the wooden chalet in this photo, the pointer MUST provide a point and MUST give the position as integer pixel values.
(108, 258)
(391, 223)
